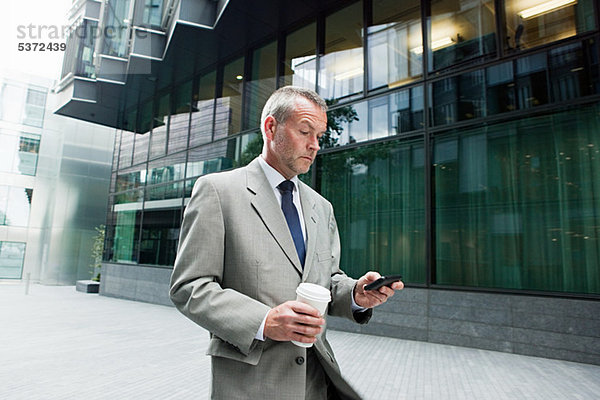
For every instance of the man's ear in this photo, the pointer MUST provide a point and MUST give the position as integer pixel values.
(270, 126)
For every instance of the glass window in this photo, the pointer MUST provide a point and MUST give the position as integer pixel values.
(229, 106)
(556, 75)
(140, 152)
(116, 149)
(500, 88)
(160, 236)
(3, 204)
(346, 125)
(300, 57)
(341, 69)
(395, 31)
(569, 71)
(214, 157)
(145, 117)
(126, 237)
(167, 169)
(15, 204)
(13, 98)
(8, 144)
(180, 117)
(20, 152)
(170, 191)
(34, 107)
(460, 30)
(131, 178)
(393, 114)
(249, 146)
(126, 151)
(459, 98)
(115, 39)
(531, 23)
(378, 195)
(12, 255)
(516, 204)
(86, 35)
(153, 12)
(29, 148)
(160, 130)
(203, 108)
(262, 83)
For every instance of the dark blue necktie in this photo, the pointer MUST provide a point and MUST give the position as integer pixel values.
(291, 216)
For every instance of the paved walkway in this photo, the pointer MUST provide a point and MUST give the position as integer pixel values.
(56, 343)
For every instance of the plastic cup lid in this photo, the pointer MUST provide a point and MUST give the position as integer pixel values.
(314, 292)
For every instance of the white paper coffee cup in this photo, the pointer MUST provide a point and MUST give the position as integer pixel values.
(314, 295)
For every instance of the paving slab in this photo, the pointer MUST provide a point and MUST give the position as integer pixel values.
(57, 343)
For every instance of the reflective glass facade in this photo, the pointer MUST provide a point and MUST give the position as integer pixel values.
(54, 180)
(460, 149)
(12, 255)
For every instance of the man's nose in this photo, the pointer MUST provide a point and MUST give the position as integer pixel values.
(314, 143)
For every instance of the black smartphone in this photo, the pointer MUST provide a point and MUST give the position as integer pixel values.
(383, 281)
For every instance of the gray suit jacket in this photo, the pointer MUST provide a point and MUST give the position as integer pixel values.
(236, 260)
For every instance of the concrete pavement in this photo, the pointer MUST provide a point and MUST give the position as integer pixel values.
(56, 343)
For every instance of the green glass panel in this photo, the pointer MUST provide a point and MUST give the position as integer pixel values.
(378, 194)
(166, 169)
(160, 236)
(126, 239)
(249, 147)
(517, 204)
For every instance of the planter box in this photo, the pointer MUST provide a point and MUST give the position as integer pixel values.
(87, 286)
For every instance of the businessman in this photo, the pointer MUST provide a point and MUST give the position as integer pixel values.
(249, 237)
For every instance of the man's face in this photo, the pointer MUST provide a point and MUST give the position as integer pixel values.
(292, 147)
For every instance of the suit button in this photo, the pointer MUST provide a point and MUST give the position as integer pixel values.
(299, 360)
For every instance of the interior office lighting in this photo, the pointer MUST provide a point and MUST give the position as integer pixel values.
(545, 8)
(349, 74)
(435, 45)
(239, 77)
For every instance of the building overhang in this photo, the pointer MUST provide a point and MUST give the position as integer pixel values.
(196, 35)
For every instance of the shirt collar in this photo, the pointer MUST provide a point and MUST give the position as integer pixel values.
(273, 176)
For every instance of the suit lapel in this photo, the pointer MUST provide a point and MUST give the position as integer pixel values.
(268, 209)
(310, 223)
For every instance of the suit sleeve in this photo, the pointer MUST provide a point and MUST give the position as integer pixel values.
(198, 271)
(342, 286)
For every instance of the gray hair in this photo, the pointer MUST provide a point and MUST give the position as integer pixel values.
(283, 101)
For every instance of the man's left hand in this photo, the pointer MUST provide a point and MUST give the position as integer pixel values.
(373, 298)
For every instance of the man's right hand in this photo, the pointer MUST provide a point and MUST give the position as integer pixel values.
(293, 320)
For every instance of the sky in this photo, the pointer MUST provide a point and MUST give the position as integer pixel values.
(30, 22)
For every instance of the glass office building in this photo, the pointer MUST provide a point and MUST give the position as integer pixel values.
(54, 176)
(463, 143)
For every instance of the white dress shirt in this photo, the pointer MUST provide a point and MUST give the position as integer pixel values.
(275, 178)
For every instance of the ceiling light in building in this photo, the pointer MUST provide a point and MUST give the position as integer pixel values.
(239, 77)
(435, 45)
(349, 74)
(545, 8)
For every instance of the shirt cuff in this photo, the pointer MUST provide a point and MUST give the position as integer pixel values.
(260, 335)
(356, 307)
